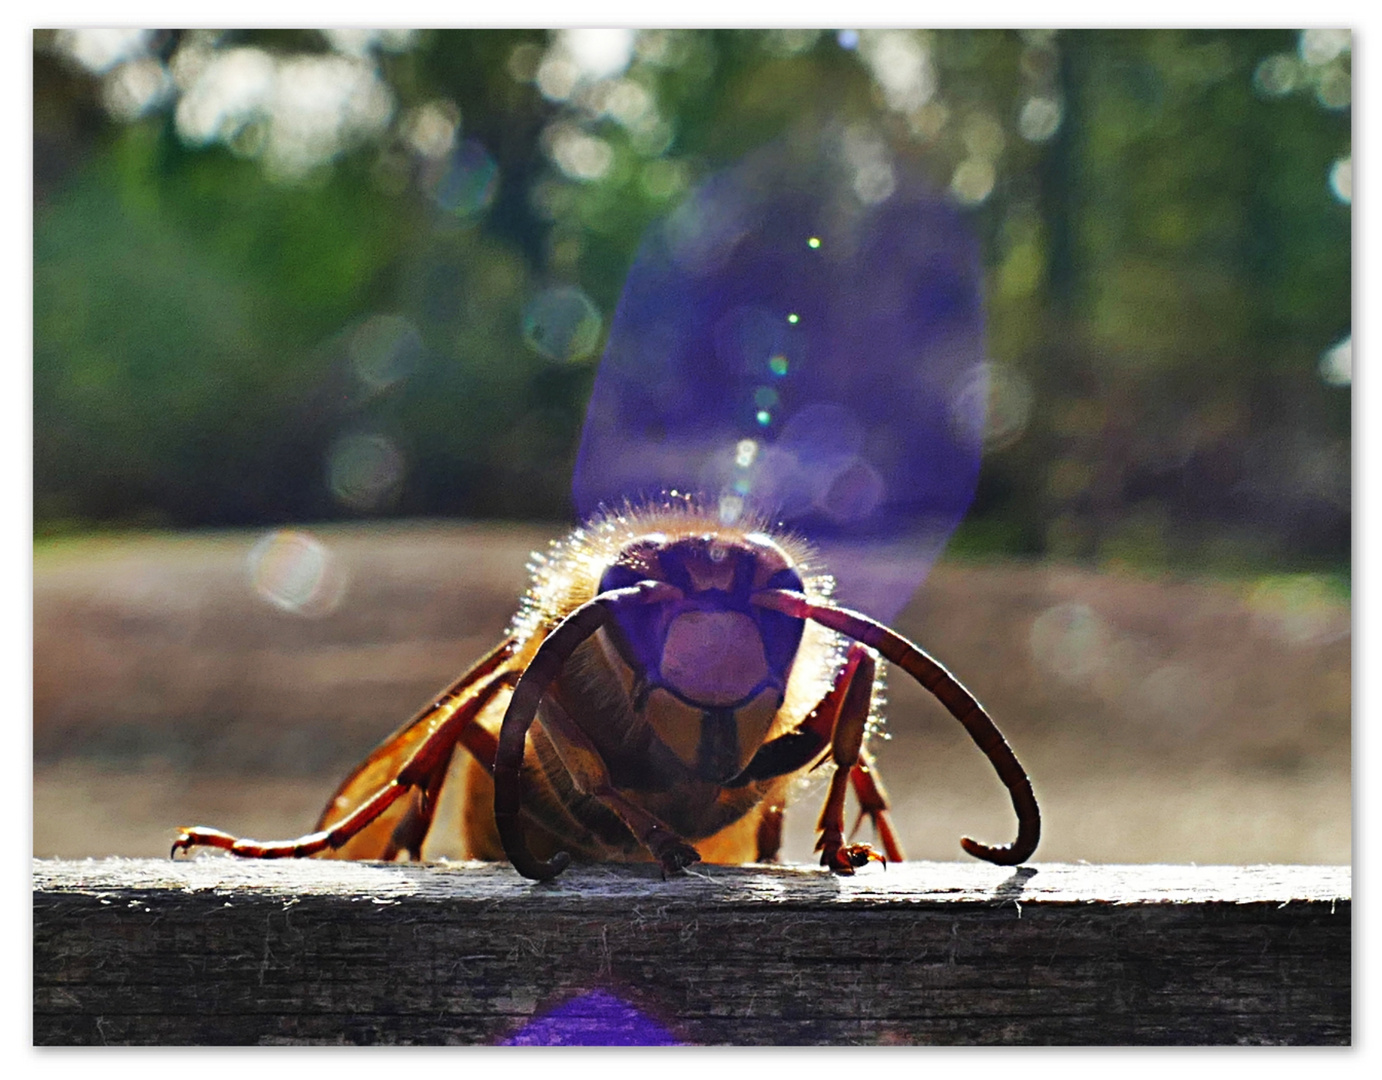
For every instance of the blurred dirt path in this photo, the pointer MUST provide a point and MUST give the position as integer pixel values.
(1161, 720)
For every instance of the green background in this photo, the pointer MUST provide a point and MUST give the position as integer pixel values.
(1166, 235)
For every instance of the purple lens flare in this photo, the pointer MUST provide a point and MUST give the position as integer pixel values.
(803, 341)
(596, 1018)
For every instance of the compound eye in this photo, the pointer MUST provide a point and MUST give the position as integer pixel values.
(636, 632)
(787, 579)
(620, 576)
(637, 561)
(781, 633)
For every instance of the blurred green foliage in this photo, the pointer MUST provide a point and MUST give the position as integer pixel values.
(1165, 218)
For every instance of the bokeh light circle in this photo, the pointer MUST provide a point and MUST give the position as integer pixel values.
(1009, 399)
(562, 324)
(384, 349)
(364, 472)
(296, 572)
(468, 181)
(1069, 641)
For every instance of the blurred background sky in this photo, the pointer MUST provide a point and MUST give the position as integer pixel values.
(324, 278)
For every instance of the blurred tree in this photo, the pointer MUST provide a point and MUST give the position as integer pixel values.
(304, 275)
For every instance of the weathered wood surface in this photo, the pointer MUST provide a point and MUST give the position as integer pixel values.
(218, 951)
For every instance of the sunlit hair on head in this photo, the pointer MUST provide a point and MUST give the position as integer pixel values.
(568, 573)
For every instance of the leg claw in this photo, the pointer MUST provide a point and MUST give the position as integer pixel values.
(201, 836)
(846, 858)
(677, 857)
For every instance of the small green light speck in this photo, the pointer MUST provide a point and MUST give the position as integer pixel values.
(814, 242)
(777, 364)
(793, 318)
(764, 417)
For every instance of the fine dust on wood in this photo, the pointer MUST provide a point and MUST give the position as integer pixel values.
(220, 951)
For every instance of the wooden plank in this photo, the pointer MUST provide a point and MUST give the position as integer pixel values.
(220, 951)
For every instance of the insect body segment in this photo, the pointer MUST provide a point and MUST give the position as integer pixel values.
(960, 702)
(412, 763)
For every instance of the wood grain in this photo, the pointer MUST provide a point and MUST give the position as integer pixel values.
(217, 951)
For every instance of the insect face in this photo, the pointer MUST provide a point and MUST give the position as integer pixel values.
(706, 667)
